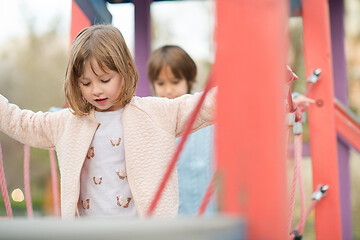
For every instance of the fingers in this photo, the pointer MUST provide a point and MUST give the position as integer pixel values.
(303, 99)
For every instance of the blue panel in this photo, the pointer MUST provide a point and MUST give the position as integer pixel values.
(95, 10)
(296, 6)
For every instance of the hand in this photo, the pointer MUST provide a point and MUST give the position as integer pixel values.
(301, 99)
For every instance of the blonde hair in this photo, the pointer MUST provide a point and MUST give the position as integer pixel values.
(180, 63)
(106, 45)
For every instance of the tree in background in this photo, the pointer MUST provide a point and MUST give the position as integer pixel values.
(32, 70)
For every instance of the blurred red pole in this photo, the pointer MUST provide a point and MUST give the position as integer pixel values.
(250, 70)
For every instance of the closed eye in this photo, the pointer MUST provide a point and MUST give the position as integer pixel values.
(105, 81)
(86, 84)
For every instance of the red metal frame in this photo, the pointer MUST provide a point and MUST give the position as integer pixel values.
(78, 20)
(317, 49)
(348, 127)
(251, 156)
(251, 75)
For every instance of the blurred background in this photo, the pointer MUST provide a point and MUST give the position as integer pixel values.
(34, 44)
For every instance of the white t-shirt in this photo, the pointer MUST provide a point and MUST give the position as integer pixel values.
(104, 188)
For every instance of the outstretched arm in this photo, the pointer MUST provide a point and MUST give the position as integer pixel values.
(35, 129)
(186, 105)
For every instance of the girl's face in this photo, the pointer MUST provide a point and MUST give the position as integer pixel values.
(101, 89)
(167, 85)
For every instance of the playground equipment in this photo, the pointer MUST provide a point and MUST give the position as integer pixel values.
(94, 229)
(249, 70)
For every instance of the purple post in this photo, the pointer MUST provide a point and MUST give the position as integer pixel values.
(142, 44)
(341, 93)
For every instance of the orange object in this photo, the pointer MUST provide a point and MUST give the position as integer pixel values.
(251, 43)
(78, 20)
(323, 143)
(347, 126)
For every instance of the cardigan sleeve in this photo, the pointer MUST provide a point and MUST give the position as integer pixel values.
(187, 103)
(35, 129)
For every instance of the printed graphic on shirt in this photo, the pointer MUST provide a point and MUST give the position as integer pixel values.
(121, 174)
(115, 142)
(97, 180)
(123, 202)
(103, 176)
(86, 204)
(90, 153)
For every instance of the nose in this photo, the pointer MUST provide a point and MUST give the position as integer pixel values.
(168, 91)
(97, 90)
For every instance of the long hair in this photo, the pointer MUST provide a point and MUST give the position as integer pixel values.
(106, 45)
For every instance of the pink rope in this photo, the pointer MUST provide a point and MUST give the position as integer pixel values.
(293, 192)
(311, 207)
(174, 159)
(54, 182)
(207, 197)
(298, 168)
(3, 187)
(292, 108)
(29, 208)
(298, 173)
(298, 144)
(300, 226)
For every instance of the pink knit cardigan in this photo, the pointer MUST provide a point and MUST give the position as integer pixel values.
(150, 124)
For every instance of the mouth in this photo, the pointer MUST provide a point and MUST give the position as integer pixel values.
(101, 100)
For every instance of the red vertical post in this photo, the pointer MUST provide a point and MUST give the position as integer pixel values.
(78, 20)
(317, 51)
(250, 70)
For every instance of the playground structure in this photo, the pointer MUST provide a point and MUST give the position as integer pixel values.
(253, 182)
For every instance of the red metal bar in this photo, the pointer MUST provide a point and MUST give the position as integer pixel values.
(207, 197)
(317, 51)
(78, 20)
(28, 201)
(3, 186)
(54, 183)
(347, 126)
(250, 70)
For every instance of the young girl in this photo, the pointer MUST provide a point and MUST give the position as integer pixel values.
(172, 73)
(113, 148)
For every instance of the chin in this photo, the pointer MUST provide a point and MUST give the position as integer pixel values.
(103, 109)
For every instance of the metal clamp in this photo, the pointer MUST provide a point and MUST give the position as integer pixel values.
(297, 235)
(297, 128)
(291, 119)
(313, 78)
(318, 194)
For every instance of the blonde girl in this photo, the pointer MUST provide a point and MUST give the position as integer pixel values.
(112, 147)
